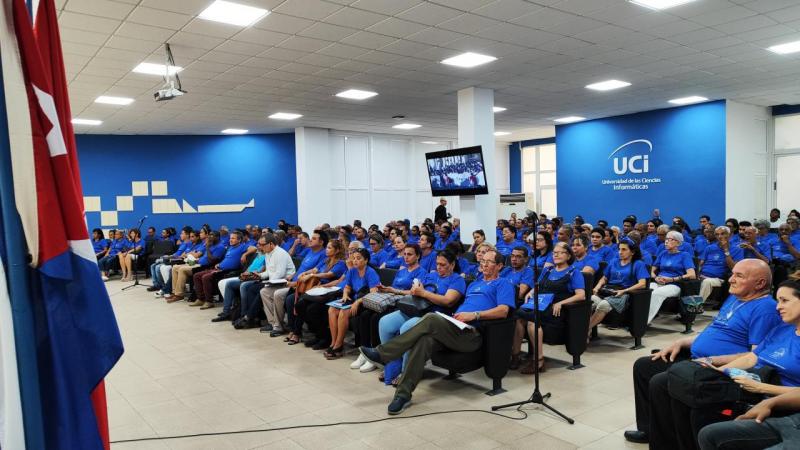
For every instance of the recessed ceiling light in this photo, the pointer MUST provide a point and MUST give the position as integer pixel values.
(502, 133)
(468, 59)
(233, 13)
(688, 100)
(498, 109)
(285, 116)
(156, 69)
(356, 94)
(569, 119)
(234, 131)
(660, 4)
(608, 85)
(429, 142)
(785, 49)
(93, 122)
(108, 100)
(406, 126)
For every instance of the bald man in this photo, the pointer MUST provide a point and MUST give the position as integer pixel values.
(744, 320)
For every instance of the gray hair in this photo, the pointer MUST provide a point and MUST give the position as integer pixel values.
(761, 223)
(676, 236)
(723, 228)
(356, 244)
(663, 228)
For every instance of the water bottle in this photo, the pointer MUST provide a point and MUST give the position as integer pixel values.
(733, 372)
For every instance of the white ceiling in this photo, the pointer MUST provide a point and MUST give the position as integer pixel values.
(296, 58)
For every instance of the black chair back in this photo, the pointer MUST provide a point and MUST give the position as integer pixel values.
(387, 276)
(297, 261)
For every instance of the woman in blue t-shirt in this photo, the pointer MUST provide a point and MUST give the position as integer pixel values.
(543, 251)
(584, 262)
(622, 275)
(99, 243)
(671, 265)
(133, 247)
(359, 279)
(395, 259)
(558, 285)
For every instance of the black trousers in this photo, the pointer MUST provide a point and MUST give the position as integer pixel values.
(675, 425)
(366, 327)
(314, 315)
(644, 369)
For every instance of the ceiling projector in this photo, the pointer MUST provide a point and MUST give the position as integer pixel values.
(168, 92)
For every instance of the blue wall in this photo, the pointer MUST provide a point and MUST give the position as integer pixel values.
(515, 168)
(203, 170)
(685, 173)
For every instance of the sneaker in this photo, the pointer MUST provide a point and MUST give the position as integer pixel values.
(158, 294)
(367, 367)
(266, 328)
(371, 355)
(358, 362)
(104, 278)
(398, 405)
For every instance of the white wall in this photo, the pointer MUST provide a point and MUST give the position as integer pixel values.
(343, 175)
(747, 161)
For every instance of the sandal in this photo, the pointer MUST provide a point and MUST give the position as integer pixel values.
(334, 353)
(527, 369)
(293, 340)
(381, 377)
(289, 337)
(396, 381)
(515, 362)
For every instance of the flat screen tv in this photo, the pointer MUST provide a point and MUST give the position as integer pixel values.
(457, 172)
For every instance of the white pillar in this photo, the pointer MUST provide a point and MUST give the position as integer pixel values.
(476, 127)
(312, 162)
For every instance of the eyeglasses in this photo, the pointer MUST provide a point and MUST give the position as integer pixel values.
(672, 239)
(560, 253)
(488, 261)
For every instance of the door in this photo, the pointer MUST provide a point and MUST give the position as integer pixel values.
(787, 183)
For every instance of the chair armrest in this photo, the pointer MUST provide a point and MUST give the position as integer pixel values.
(498, 335)
(577, 317)
(638, 310)
(689, 287)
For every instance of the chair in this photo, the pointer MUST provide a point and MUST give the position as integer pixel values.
(673, 304)
(634, 317)
(469, 256)
(493, 355)
(160, 248)
(600, 271)
(387, 276)
(297, 261)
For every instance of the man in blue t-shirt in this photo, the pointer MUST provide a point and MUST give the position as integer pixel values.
(744, 320)
(518, 273)
(489, 298)
(716, 261)
(509, 241)
(205, 282)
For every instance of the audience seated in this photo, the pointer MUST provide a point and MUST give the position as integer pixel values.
(486, 299)
(478, 238)
(111, 259)
(716, 261)
(205, 281)
(520, 275)
(542, 251)
(214, 252)
(186, 240)
(99, 243)
(395, 257)
(745, 318)
(583, 261)
(509, 241)
(598, 249)
(359, 280)
(624, 274)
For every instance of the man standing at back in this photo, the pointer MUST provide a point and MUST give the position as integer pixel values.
(743, 321)
(440, 214)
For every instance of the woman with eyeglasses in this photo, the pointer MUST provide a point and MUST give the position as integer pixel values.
(367, 321)
(473, 270)
(558, 285)
(671, 266)
(542, 251)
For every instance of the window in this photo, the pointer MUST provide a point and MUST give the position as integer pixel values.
(539, 176)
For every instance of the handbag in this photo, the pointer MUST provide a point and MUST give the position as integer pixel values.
(249, 276)
(379, 301)
(306, 284)
(697, 386)
(619, 302)
(692, 304)
(413, 306)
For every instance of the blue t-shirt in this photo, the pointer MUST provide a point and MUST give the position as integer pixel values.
(403, 278)
(673, 264)
(378, 258)
(183, 247)
(587, 261)
(541, 260)
(438, 285)
(99, 245)
(738, 326)
(700, 244)
(310, 261)
(301, 252)
(517, 277)
(428, 262)
(356, 282)
(576, 280)
(394, 262)
(762, 246)
(603, 253)
(713, 258)
(117, 246)
(650, 243)
(225, 240)
(258, 263)
(412, 239)
(199, 247)
(482, 295)
(467, 268)
(216, 252)
(505, 248)
(338, 269)
(781, 350)
(233, 257)
(626, 276)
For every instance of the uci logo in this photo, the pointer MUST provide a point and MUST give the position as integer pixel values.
(633, 164)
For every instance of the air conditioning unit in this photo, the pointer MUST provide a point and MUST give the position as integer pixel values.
(515, 203)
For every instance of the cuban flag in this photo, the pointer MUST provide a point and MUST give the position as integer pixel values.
(58, 334)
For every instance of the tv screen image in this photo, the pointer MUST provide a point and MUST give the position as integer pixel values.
(457, 172)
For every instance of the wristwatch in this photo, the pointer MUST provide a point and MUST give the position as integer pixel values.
(477, 315)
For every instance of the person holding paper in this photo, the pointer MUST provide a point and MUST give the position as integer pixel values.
(490, 298)
(558, 285)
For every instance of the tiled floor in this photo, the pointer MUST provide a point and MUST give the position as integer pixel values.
(181, 374)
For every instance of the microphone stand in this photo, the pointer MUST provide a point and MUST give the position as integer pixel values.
(133, 265)
(536, 397)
